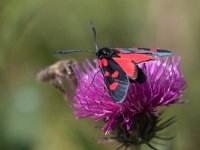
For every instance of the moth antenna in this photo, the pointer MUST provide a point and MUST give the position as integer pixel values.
(94, 33)
(72, 51)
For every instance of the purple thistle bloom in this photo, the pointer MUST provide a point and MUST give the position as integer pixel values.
(164, 86)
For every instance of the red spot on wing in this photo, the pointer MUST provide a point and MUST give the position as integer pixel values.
(115, 74)
(100, 63)
(153, 50)
(138, 49)
(113, 86)
(119, 48)
(141, 50)
(106, 73)
(137, 58)
(104, 62)
(127, 66)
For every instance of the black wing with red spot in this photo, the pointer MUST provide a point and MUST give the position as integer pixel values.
(116, 80)
(119, 65)
(147, 51)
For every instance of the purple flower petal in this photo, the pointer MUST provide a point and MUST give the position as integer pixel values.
(164, 86)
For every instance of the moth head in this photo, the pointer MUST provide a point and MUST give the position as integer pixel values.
(104, 53)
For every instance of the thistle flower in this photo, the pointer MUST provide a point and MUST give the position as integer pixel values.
(56, 74)
(135, 120)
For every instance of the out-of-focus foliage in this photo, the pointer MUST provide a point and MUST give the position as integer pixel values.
(34, 116)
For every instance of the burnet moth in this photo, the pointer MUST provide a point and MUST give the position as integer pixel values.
(119, 65)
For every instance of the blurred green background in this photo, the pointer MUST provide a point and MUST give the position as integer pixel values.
(34, 116)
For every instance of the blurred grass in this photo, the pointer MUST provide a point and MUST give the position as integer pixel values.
(34, 115)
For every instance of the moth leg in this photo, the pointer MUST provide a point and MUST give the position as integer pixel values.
(104, 91)
(93, 79)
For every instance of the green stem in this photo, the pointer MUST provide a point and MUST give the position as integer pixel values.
(135, 147)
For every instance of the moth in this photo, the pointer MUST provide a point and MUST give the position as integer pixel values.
(119, 66)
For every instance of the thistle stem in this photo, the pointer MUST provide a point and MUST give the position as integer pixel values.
(134, 147)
